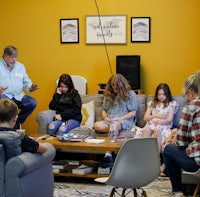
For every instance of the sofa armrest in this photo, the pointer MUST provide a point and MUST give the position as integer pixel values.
(43, 118)
(26, 173)
(28, 162)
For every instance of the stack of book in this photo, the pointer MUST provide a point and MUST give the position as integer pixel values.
(59, 165)
(82, 169)
(75, 137)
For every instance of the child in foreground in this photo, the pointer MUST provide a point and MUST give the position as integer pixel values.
(8, 118)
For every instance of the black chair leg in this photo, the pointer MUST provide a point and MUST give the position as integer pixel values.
(112, 192)
(135, 192)
(123, 193)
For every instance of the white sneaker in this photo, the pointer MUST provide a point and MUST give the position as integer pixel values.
(178, 194)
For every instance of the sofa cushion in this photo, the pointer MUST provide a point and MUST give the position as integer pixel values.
(11, 142)
(141, 101)
(98, 101)
(181, 102)
(87, 112)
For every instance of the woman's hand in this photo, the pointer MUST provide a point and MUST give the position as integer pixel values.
(58, 91)
(107, 119)
(161, 115)
(57, 117)
(172, 137)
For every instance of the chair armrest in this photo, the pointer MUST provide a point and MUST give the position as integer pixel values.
(43, 118)
(27, 162)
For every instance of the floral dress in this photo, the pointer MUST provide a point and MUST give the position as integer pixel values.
(120, 109)
(165, 129)
(163, 110)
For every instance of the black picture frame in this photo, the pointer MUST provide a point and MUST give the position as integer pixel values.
(140, 29)
(69, 30)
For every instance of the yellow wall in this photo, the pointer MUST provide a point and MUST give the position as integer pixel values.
(34, 28)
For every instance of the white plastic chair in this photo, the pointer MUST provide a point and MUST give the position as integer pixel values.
(137, 164)
(80, 84)
(192, 178)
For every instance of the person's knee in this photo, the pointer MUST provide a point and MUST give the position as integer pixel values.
(51, 126)
(146, 132)
(33, 103)
(167, 149)
(100, 128)
(62, 128)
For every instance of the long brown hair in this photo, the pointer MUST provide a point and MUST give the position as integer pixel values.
(167, 92)
(118, 81)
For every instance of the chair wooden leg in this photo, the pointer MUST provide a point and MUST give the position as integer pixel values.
(196, 190)
(135, 192)
(144, 193)
(112, 192)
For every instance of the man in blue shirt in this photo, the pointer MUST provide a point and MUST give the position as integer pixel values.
(13, 79)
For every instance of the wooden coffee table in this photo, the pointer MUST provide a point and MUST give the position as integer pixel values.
(103, 147)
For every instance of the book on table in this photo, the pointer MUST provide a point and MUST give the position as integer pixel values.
(75, 137)
(82, 169)
(60, 164)
(57, 170)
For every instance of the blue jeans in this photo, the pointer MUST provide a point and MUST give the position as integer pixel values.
(176, 159)
(26, 106)
(69, 125)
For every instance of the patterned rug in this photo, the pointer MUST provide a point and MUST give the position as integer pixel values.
(88, 188)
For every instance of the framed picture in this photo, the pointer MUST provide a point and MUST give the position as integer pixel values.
(69, 30)
(140, 29)
(106, 29)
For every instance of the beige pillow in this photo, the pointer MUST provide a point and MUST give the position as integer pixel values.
(87, 115)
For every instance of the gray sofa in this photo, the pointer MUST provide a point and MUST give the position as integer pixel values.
(27, 174)
(45, 117)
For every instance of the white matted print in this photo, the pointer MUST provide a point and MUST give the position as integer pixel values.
(140, 29)
(69, 30)
(106, 29)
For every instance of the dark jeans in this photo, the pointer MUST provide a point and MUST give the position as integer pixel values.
(26, 106)
(176, 159)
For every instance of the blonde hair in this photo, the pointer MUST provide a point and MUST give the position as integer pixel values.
(193, 83)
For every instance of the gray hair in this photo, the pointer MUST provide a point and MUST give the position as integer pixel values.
(193, 83)
(10, 50)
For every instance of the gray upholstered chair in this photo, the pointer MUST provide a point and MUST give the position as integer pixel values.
(27, 174)
(192, 178)
(137, 164)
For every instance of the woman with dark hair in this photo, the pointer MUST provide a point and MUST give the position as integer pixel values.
(159, 114)
(67, 103)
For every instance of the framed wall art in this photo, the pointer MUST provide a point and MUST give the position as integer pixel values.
(140, 29)
(69, 30)
(106, 29)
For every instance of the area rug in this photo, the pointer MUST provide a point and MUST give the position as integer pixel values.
(88, 188)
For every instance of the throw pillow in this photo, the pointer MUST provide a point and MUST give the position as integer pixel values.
(87, 114)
